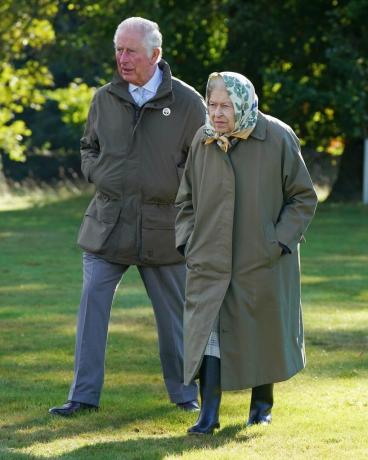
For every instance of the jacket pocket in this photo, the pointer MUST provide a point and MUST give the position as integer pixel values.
(99, 221)
(158, 234)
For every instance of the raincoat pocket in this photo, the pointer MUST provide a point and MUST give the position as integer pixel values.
(273, 248)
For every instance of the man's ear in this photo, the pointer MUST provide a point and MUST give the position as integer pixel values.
(155, 55)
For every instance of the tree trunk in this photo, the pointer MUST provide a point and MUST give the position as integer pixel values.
(3, 184)
(349, 182)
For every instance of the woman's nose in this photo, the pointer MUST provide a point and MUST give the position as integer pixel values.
(218, 111)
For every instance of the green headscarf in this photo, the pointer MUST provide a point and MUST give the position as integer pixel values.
(245, 101)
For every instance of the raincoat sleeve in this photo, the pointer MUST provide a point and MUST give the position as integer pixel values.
(89, 145)
(185, 218)
(300, 199)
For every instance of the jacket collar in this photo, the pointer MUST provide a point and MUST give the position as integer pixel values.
(162, 98)
(259, 132)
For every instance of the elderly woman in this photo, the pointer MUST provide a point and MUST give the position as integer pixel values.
(245, 201)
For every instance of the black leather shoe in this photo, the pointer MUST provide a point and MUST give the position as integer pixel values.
(189, 406)
(72, 407)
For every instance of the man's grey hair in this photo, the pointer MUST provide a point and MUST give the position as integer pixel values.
(152, 37)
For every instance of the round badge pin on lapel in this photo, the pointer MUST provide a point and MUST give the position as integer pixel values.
(166, 111)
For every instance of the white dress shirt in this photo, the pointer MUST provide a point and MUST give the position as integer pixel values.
(141, 94)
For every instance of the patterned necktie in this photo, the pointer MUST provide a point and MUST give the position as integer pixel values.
(139, 95)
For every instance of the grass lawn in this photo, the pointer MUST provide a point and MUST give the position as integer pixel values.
(322, 413)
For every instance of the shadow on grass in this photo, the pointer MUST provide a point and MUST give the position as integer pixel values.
(155, 446)
(146, 448)
(334, 340)
(156, 449)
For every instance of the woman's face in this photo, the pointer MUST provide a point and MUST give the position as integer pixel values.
(221, 109)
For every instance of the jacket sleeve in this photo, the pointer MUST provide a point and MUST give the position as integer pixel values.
(185, 218)
(89, 145)
(300, 199)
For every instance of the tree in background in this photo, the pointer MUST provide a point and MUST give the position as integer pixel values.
(194, 38)
(347, 56)
(25, 30)
(310, 59)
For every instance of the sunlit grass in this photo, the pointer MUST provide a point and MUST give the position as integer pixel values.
(38, 195)
(322, 413)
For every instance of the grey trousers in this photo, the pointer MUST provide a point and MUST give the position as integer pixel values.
(165, 287)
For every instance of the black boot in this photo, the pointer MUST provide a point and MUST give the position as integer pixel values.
(261, 405)
(210, 391)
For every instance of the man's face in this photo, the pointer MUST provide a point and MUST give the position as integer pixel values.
(133, 63)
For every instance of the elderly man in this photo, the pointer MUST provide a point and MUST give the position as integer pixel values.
(134, 148)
